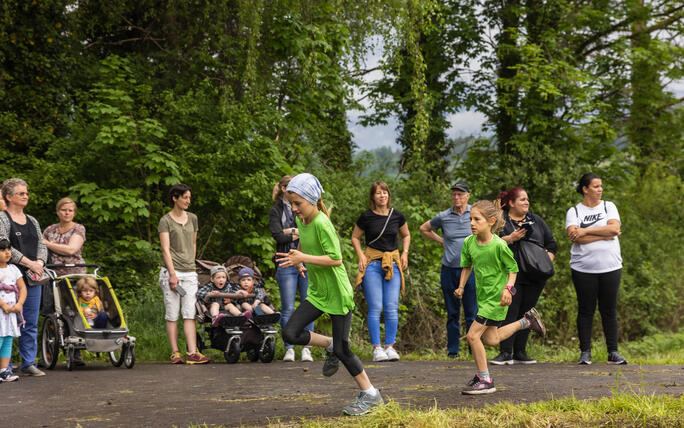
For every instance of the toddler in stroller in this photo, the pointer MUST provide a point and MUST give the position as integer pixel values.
(250, 331)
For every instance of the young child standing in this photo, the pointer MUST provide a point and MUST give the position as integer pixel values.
(329, 289)
(12, 297)
(90, 303)
(495, 273)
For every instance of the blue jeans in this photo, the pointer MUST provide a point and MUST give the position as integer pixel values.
(28, 341)
(382, 296)
(289, 282)
(450, 278)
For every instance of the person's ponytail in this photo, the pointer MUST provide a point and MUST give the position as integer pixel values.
(321, 207)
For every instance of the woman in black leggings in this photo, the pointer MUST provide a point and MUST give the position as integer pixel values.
(329, 289)
(593, 226)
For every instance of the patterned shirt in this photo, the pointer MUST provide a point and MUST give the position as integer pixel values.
(53, 235)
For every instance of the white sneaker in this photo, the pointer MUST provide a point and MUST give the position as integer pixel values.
(392, 355)
(289, 355)
(379, 354)
(306, 355)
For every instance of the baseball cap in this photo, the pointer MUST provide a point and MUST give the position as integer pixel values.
(246, 272)
(460, 186)
(216, 269)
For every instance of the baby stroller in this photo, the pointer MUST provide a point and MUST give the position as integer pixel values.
(66, 328)
(236, 334)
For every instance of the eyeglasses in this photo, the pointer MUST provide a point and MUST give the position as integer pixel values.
(21, 194)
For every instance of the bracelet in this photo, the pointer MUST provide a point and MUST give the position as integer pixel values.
(405, 251)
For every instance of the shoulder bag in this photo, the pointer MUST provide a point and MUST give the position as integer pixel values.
(533, 260)
(383, 227)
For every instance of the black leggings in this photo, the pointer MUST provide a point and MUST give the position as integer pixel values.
(295, 333)
(525, 298)
(591, 287)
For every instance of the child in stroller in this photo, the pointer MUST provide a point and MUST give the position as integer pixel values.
(219, 298)
(236, 334)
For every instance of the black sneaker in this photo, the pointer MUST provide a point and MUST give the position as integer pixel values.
(502, 359)
(616, 359)
(536, 323)
(522, 358)
(478, 386)
(331, 364)
(585, 358)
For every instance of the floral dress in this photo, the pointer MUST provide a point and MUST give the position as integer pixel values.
(8, 322)
(52, 234)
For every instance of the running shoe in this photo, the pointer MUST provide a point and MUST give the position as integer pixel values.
(217, 319)
(585, 358)
(364, 403)
(289, 355)
(479, 386)
(306, 355)
(521, 357)
(196, 358)
(177, 358)
(331, 364)
(616, 359)
(33, 371)
(8, 376)
(536, 323)
(392, 354)
(504, 358)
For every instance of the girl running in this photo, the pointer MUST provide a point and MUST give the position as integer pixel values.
(495, 273)
(329, 289)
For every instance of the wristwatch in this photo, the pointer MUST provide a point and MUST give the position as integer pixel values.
(511, 289)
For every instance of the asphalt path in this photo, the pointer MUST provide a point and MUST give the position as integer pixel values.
(165, 395)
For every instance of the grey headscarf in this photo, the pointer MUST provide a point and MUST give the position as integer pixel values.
(307, 186)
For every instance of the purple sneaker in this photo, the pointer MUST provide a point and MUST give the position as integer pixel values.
(478, 386)
(217, 319)
(536, 323)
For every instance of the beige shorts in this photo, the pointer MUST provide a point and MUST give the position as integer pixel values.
(173, 302)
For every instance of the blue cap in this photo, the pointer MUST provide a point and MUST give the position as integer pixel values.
(246, 272)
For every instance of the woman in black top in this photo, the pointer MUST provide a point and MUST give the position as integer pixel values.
(284, 230)
(522, 224)
(29, 253)
(380, 266)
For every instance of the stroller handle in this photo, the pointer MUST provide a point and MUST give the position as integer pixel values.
(53, 274)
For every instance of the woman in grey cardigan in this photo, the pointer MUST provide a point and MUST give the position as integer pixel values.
(29, 254)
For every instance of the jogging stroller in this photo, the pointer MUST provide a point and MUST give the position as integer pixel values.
(66, 328)
(236, 334)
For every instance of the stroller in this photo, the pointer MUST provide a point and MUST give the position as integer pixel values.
(236, 334)
(66, 328)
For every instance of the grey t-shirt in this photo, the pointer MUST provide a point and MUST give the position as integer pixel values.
(181, 240)
(455, 229)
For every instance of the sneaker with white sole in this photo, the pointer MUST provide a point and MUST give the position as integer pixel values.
(521, 357)
(379, 354)
(364, 403)
(615, 358)
(479, 386)
(536, 323)
(585, 358)
(306, 355)
(392, 354)
(33, 371)
(8, 376)
(289, 355)
(504, 358)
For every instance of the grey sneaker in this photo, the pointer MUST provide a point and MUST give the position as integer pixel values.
(33, 371)
(585, 358)
(536, 323)
(615, 358)
(331, 364)
(363, 403)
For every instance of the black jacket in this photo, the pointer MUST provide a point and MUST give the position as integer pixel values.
(275, 225)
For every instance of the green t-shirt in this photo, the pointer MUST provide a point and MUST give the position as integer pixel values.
(181, 240)
(329, 287)
(492, 263)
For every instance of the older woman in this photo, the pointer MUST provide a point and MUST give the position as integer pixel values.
(521, 224)
(30, 254)
(381, 267)
(282, 225)
(65, 239)
(177, 277)
(593, 226)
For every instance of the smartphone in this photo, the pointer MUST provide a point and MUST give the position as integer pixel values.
(180, 290)
(527, 225)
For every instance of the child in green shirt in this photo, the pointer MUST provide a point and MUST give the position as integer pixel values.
(329, 289)
(495, 272)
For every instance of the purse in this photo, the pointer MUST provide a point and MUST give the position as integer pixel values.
(533, 260)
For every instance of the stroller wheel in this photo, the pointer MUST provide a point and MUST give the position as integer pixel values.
(200, 342)
(50, 343)
(117, 357)
(232, 355)
(129, 356)
(267, 352)
(70, 357)
(252, 354)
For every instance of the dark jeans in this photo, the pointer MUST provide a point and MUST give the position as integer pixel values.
(601, 287)
(295, 332)
(450, 278)
(525, 298)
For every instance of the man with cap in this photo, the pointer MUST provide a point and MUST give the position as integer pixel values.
(455, 225)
